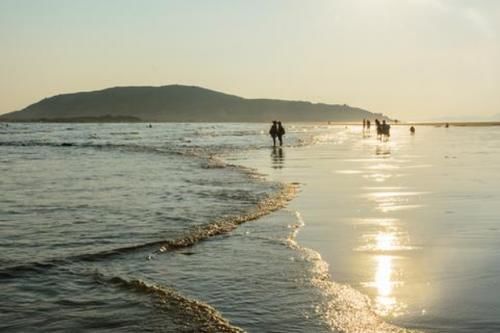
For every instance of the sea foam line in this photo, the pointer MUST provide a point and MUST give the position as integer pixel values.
(200, 317)
(196, 234)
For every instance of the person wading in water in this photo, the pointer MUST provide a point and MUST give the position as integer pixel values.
(386, 130)
(273, 131)
(281, 132)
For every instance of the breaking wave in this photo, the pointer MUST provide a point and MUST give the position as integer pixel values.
(220, 226)
(196, 315)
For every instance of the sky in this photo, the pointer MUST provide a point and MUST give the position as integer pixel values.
(409, 59)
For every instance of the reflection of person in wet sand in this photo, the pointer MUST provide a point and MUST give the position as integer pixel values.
(383, 150)
(278, 157)
(273, 131)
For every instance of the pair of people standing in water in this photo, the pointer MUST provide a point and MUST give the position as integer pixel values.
(277, 131)
(383, 129)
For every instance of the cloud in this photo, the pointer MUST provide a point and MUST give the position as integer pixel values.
(472, 13)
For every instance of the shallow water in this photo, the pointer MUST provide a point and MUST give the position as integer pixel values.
(128, 228)
(101, 228)
(412, 222)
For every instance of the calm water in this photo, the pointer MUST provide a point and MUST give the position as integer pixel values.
(413, 222)
(127, 228)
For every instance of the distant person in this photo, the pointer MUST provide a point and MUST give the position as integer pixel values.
(368, 124)
(281, 132)
(386, 129)
(412, 130)
(447, 125)
(273, 131)
(150, 126)
(379, 128)
(364, 124)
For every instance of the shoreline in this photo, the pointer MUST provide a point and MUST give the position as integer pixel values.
(452, 123)
(115, 120)
(424, 123)
(306, 234)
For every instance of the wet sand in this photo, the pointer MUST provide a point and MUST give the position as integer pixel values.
(454, 123)
(411, 223)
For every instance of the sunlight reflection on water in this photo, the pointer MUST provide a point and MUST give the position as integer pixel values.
(385, 302)
(384, 279)
(388, 201)
(387, 239)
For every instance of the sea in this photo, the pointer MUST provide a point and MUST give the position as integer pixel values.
(187, 227)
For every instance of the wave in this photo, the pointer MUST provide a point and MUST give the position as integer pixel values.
(200, 317)
(220, 226)
(125, 133)
(129, 148)
(227, 224)
(216, 132)
(210, 153)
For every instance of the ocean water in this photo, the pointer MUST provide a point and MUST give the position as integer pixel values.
(206, 228)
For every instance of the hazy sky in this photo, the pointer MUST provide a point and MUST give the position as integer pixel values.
(410, 59)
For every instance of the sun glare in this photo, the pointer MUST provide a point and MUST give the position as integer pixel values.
(385, 302)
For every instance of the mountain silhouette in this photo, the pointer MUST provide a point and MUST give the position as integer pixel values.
(178, 103)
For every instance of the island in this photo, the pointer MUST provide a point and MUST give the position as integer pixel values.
(179, 103)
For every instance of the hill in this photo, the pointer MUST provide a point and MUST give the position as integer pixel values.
(177, 103)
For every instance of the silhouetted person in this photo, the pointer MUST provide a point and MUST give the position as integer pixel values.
(412, 130)
(273, 131)
(447, 125)
(386, 129)
(379, 128)
(364, 123)
(368, 124)
(281, 132)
